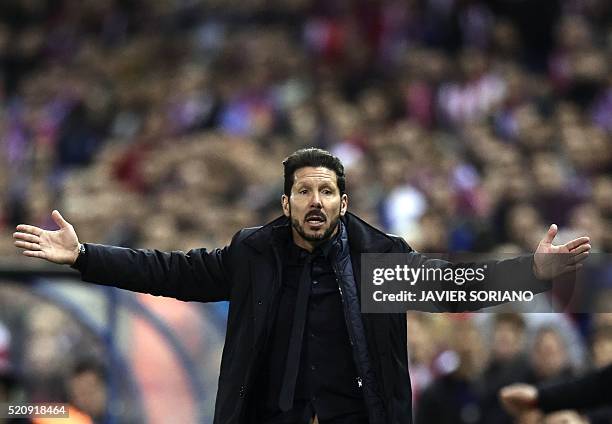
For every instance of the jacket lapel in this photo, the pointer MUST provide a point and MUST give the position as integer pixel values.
(363, 238)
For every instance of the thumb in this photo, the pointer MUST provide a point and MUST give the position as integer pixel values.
(59, 220)
(550, 234)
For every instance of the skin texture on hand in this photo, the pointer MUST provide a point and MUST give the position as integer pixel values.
(60, 246)
(551, 260)
(518, 399)
(565, 417)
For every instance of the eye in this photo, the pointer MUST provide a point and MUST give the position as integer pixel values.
(326, 191)
(303, 191)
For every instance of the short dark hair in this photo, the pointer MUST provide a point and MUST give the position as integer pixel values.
(87, 364)
(511, 318)
(314, 157)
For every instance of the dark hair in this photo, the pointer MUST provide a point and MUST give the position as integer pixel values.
(514, 319)
(314, 157)
(86, 364)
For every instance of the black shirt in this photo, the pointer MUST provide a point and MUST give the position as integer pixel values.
(327, 382)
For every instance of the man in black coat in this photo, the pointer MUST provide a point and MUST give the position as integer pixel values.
(297, 345)
(591, 390)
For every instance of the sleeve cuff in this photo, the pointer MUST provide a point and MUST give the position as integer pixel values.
(81, 262)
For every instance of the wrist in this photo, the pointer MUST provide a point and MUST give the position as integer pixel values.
(537, 271)
(79, 251)
(534, 268)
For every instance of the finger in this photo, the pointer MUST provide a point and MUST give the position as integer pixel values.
(580, 249)
(30, 229)
(577, 242)
(26, 237)
(572, 268)
(550, 234)
(35, 253)
(27, 245)
(579, 258)
(59, 219)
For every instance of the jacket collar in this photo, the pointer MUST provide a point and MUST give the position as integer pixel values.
(363, 238)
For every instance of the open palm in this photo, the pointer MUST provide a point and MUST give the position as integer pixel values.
(552, 260)
(60, 246)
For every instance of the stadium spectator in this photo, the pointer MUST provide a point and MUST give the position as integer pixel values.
(468, 110)
(87, 389)
(507, 364)
(455, 396)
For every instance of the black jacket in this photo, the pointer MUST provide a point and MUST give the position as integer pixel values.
(591, 390)
(247, 273)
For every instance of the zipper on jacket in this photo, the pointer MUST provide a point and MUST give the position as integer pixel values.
(349, 328)
(344, 309)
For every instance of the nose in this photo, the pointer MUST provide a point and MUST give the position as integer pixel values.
(315, 201)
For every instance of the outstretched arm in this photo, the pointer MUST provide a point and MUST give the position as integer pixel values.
(588, 391)
(196, 275)
(526, 272)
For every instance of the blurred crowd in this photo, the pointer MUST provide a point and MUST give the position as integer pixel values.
(459, 363)
(47, 356)
(463, 125)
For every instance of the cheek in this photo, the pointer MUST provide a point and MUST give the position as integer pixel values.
(335, 205)
(294, 208)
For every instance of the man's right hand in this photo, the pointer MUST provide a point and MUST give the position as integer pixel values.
(59, 246)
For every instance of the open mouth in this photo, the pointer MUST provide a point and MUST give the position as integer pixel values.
(315, 219)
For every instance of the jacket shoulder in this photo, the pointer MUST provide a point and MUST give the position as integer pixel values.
(244, 233)
(400, 244)
(365, 235)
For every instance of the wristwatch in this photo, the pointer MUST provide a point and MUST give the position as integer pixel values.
(81, 255)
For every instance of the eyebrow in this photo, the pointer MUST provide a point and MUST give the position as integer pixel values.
(322, 185)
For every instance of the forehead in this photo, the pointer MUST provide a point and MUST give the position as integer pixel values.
(310, 174)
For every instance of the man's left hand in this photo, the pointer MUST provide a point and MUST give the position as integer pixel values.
(551, 261)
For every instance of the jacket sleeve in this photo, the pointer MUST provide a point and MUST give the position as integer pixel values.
(515, 274)
(199, 274)
(588, 391)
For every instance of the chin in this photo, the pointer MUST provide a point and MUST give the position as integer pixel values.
(315, 236)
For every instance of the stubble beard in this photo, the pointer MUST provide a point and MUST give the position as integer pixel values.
(315, 238)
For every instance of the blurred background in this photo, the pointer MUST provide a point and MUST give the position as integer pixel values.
(464, 125)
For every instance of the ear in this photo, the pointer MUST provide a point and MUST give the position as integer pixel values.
(343, 204)
(286, 206)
